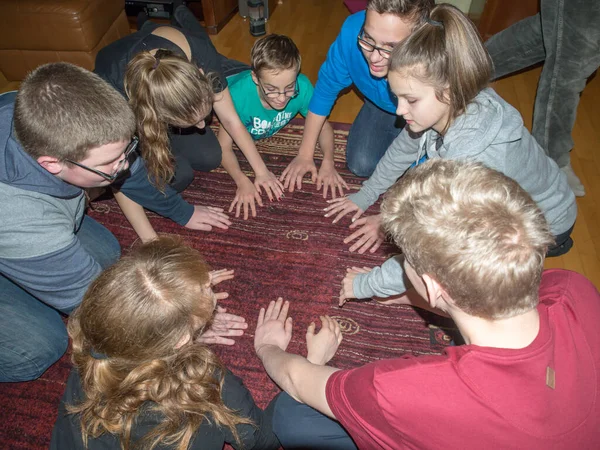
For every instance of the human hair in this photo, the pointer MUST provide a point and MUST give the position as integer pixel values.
(164, 89)
(414, 11)
(127, 347)
(447, 53)
(63, 111)
(474, 230)
(275, 52)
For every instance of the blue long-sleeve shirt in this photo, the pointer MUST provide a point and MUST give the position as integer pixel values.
(346, 65)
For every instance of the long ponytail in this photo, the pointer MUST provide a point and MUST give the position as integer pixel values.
(448, 53)
(164, 89)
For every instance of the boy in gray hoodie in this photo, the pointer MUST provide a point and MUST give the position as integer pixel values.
(65, 130)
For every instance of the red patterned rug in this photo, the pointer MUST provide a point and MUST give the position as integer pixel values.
(289, 250)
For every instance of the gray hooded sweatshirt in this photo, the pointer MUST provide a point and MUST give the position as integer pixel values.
(40, 215)
(491, 131)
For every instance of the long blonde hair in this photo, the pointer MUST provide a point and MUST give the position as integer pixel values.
(164, 89)
(127, 337)
(447, 53)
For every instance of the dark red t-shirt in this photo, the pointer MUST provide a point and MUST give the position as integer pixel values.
(475, 397)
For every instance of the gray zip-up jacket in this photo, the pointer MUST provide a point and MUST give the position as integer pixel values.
(491, 131)
(39, 217)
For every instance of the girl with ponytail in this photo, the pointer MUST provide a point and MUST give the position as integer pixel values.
(440, 76)
(173, 78)
(143, 376)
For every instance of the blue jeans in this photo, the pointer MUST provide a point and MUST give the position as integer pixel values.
(566, 36)
(370, 136)
(298, 426)
(32, 334)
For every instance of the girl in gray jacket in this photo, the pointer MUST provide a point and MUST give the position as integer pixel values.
(439, 75)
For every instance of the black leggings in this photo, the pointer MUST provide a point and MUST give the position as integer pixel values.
(563, 243)
(193, 149)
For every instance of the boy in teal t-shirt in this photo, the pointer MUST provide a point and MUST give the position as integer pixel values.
(264, 122)
(266, 98)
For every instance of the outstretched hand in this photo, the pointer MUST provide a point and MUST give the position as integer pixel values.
(342, 206)
(271, 185)
(274, 327)
(369, 236)
(246, 197)
(347, 291)
(323, 345)
(294, 173)
(224, 326)
(205, 218)
(329, 179)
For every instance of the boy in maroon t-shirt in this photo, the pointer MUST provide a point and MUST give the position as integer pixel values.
(474, 244)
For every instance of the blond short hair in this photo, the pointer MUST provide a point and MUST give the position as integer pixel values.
(474, 230)
(63, 111)
(275, 52)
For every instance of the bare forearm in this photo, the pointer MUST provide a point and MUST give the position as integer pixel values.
(246, 144)
(312, 129)
(136, 216)
(301, 379)
(229, 161)
(326, 141)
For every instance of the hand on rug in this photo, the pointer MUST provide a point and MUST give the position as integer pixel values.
(207, 217)
(224, 325)
(347, 291)
(370, 235)
(246, 197)
(323, 345)
(342, 206)
(269, 182)
(329, 178)
(274, 327)
(295, 171)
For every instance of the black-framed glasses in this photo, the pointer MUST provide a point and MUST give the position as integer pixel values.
(368, 47)
(289, 93)
(128, 156)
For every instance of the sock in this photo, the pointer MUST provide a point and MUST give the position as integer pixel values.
(574, 182)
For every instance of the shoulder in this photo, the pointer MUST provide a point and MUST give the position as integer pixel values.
(240, 80)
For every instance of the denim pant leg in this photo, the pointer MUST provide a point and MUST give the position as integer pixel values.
(32, 334)
(517, 47)
(99, 242)
(298, 426)
(370, 136)
(571, 33)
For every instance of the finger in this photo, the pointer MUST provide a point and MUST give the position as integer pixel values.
(360, 243)
(232, 205)
(221, 295)
(325, 189)
(269, 312)
(238, 209)
(284, 310)
(288, 326)
(341, 214)
(284, 173)
(261, 317)
(376, 245)
(299, 181)
(366, 246)
(286, 179)
(216, 209)
(246, 210)
(253, 207)
(357, 223)
(357, 215)
(258, 199)
(267, 189)
(313, 171)
(354, 235)
(310, 331)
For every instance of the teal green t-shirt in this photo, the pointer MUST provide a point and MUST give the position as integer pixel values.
(260, 121)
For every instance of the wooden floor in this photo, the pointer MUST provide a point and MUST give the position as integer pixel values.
(314, 25)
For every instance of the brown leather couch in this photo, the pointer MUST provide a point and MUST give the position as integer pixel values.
(34, 32)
